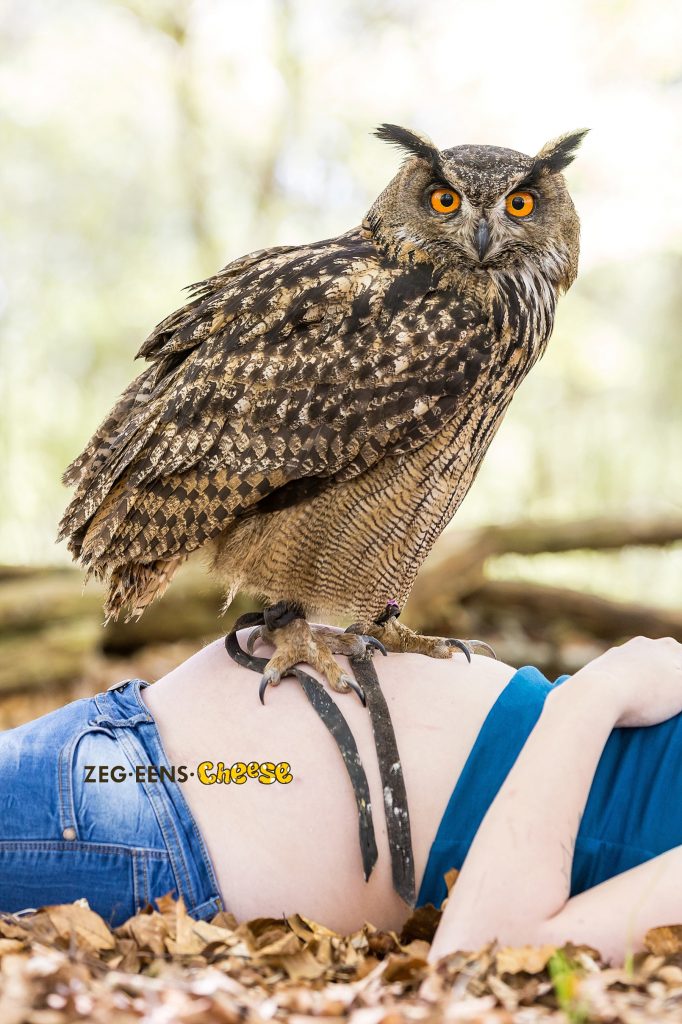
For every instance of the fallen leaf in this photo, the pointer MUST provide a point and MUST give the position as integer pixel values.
(671, 974)
(403, 968)
(127, 957)
(148, 931)
(223, 919)
(421, 924)
(302, 966)
(664, 941)
(189, 939)
(85, 925)
(451, 877)
(263, 932)
(382, 943)
(284, 944)
(531, 959)
(12, 945)
(417, 948)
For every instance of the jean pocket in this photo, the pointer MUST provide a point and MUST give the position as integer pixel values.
(116, 881)
(101, 800)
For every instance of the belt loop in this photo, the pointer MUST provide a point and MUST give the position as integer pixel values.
(121, 706)
(118, 686)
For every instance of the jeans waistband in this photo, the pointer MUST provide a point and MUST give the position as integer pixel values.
(121, 708)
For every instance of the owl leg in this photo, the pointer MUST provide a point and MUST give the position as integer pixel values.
(295, 641)
(397, 637)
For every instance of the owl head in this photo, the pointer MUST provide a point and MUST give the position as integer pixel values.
(484, 208)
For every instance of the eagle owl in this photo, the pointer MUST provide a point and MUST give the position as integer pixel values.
(315, 414)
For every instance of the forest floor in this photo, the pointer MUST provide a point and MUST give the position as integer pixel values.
(63, 964)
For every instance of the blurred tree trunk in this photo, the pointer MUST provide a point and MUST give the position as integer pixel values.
(174, 23)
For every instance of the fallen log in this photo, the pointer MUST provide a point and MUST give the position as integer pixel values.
(50, 625)
(47, 657)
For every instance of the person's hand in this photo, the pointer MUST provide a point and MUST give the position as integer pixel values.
(643, 677)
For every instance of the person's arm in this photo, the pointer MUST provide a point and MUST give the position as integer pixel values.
(515, 882)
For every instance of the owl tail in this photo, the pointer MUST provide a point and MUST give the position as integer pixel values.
(135, 586)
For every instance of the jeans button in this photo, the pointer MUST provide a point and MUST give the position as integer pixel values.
(69, 832)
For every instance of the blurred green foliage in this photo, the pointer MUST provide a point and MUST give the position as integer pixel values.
(146, 143)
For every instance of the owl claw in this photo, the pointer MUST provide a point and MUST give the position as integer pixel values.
(371, 641)
(451, 642)
(355, 687)
(470, 646)
(270, 677)
(253, 636)
(483, 646)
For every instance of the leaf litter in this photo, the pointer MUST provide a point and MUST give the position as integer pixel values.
(63, 964)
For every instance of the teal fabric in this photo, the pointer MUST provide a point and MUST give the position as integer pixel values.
(634, 808)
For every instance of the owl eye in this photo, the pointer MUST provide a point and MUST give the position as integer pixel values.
(520, 204)
(445, 200)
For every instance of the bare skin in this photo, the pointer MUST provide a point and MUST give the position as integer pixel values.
(279, 849)
(294, 848)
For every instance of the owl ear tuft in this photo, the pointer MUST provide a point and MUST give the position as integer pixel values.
(559, 153)
(416, 145)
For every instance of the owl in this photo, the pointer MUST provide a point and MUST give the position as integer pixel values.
(314, 415)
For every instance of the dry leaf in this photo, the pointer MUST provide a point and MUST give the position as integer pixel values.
(148, 931)
(165, 966)
(664, 941)
(421, 924)
(77, 921)
(417, 948)
(11, 946)
(262, 932)
(188, 941)
(451, 877)
(285, 944)
(403, 968)
(223, 919)
(317, 929)
(127, 957)
(531, 959)
(382, 943)
(302, 966)
(671, 974)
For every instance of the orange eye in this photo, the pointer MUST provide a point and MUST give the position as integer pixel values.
(520, 204)
(445, 200)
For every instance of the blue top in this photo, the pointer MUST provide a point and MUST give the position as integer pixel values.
(633, 811)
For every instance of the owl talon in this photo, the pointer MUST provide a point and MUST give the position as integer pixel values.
(400, 638)
(451, 642)
(354, 686)
(474, 644)
(297, 642)
(371, 641)
(253, 636)
(271, 677)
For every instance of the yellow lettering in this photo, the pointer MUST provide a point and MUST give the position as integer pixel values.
(204, 773)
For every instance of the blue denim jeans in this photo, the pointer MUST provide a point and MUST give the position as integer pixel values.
(119, 844)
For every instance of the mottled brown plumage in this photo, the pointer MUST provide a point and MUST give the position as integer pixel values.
(315, 414)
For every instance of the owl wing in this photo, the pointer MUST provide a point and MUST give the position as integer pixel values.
(183, 327)
(306, 367)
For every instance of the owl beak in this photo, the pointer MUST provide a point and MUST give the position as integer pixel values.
(482, 238)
